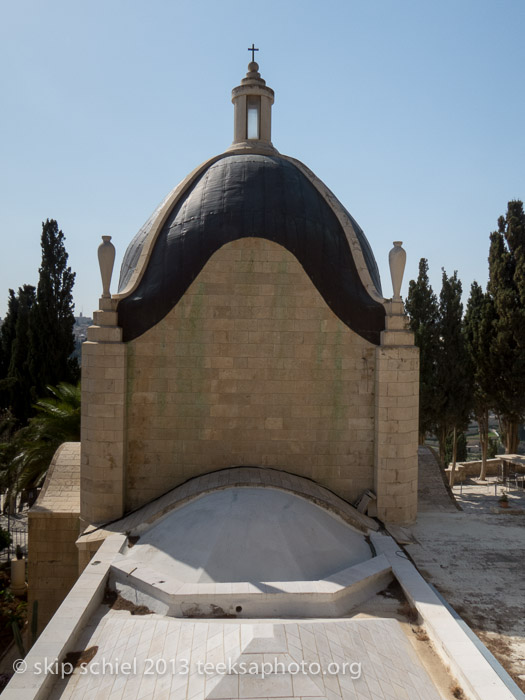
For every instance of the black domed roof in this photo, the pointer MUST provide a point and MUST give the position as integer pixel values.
(250, 195)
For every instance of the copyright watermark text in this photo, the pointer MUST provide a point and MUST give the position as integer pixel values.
(182, 667)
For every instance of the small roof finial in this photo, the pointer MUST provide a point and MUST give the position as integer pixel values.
(253, 101)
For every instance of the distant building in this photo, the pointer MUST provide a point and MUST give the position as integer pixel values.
(82, 323)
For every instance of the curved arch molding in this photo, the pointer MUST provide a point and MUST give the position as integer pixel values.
(241, 196)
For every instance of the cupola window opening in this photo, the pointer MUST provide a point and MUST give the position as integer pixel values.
(253, 111)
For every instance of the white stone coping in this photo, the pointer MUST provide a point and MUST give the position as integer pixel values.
(62, 632)
(475, 675)
(331, 596)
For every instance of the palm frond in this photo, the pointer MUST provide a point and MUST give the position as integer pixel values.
(32, 447)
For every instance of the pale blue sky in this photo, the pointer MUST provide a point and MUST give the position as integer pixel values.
(411, 111)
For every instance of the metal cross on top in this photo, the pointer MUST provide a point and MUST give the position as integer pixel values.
(253, 50)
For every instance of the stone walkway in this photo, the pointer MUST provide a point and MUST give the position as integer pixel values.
(169, 657)
(433, 493)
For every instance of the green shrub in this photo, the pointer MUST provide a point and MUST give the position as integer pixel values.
(5, 539)
(461, 455)
(492, 448)
(12, 609)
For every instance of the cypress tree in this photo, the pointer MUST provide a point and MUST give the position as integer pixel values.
(17, 384)
(452, 393)
(7, 335)
(51, 329)
(479, 338)
(422, 307)
(507, 290)
(461, 450)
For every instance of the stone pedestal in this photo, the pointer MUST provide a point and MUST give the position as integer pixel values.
(396, 410)
(18, 577)
(103, 417)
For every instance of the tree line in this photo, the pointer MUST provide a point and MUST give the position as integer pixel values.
(36, 346)
(473, 363)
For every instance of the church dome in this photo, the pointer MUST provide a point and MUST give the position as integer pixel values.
(251, 190)
(227, 536)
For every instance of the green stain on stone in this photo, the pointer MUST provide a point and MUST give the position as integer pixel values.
(319, 349)
(280, 301)
(130, 373)
(161, 402)
(338, 375)
(195, 307)
(192, 324)
(163, 347)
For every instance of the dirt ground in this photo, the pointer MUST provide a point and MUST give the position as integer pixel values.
(476, 559)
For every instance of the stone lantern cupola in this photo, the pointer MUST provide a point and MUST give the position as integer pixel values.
(253, 101)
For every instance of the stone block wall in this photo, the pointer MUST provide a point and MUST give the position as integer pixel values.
(53, 561)
(53, 528)
(251, 367)
(103, 418)
(397, 406)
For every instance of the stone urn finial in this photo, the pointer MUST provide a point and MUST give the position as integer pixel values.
(397, 259)
(18, 584)
(106, 259)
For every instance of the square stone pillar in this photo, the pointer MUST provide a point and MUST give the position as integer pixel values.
(396, 420)
(103, 418)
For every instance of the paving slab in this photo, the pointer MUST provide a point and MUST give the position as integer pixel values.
(171, 658)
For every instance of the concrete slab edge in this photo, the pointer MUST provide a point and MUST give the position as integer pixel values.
(333, 596)
(64, 628)
(477, 677)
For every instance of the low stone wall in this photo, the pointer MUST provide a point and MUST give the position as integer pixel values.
(473, 469)
(53, 561)
(62, 633)
(53, 526)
